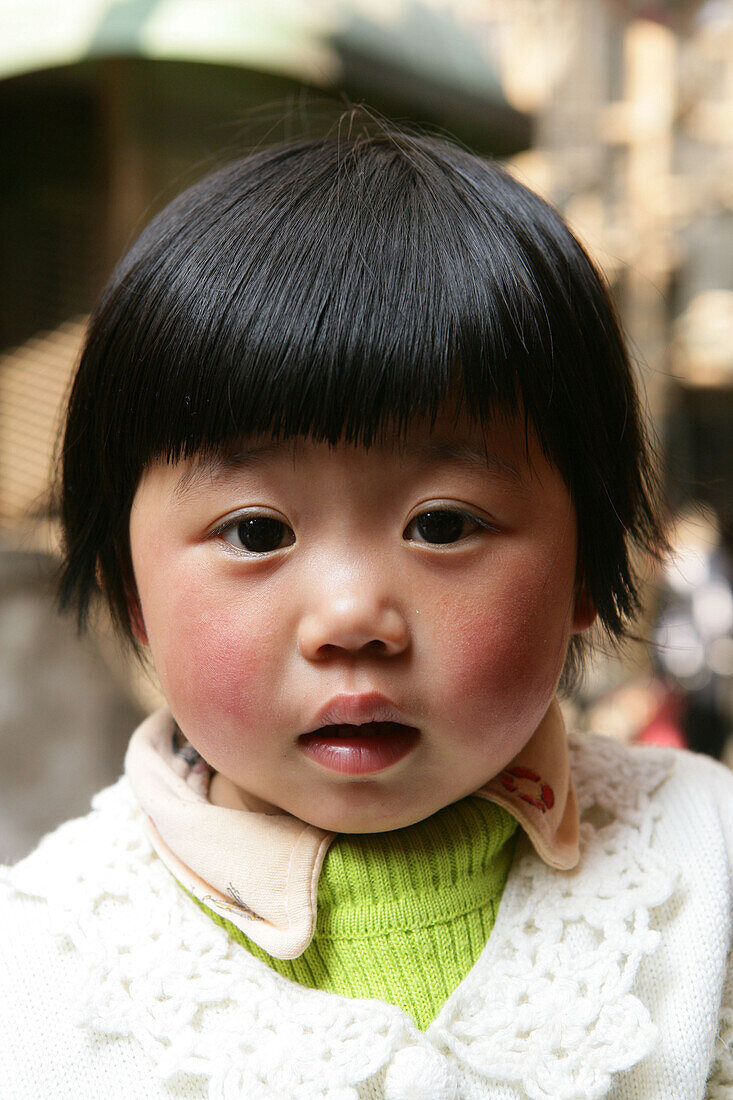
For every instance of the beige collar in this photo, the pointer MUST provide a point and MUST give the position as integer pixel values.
(260, 868)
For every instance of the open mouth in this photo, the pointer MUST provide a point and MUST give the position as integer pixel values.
(359, 749)
(364, 729)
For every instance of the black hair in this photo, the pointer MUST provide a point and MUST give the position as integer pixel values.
(338, 289)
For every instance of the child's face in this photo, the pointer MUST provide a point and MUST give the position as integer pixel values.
(298, 589)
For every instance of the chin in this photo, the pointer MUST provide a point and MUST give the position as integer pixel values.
(354, 822)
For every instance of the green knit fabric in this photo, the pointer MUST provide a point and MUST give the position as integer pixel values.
(403, 916)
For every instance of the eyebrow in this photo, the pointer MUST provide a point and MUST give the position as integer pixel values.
(225, 461)
(464, 455)
(431, 453)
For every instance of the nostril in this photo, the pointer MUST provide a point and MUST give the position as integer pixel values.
(376, 645)
(350, 627)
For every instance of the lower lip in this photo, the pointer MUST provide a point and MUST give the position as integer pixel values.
(361, 754)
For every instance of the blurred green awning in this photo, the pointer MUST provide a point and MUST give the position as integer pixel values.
(408, 58)
(283, 36)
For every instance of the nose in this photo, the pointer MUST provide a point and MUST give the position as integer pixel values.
(353, 622)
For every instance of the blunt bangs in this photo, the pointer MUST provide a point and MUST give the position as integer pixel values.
(335, 303)
(340, 289)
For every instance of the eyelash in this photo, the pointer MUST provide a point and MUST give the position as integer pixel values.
(231, 525)
(459, 513)
(238, 521)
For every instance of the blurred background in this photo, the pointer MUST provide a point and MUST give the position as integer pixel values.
(620, 112)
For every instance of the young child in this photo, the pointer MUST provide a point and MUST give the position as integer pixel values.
(354, 454)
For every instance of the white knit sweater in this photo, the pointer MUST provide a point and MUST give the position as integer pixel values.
(610, 980)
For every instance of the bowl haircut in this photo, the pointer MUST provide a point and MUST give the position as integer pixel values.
(339, 289)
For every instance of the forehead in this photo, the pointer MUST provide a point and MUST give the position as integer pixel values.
(505, 450)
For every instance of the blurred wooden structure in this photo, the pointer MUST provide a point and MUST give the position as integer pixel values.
(34, 381)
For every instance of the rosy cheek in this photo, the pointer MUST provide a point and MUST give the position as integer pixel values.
(484, 655)
(506, 653)
(210, 661)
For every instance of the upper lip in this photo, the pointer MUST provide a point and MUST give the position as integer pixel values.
(357, 710)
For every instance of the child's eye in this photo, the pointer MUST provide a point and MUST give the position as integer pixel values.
(442, 525)
(257, 534)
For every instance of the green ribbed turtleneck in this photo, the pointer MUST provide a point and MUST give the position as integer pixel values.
(403, 916)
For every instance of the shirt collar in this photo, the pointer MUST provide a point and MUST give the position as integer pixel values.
(259, 867)
(537, 789)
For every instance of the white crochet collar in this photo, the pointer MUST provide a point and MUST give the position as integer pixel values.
(547, 1008)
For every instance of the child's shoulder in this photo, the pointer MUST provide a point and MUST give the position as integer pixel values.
(677, 789)
(595, 756)
(102, 846)
(81, 917)
(83, 864)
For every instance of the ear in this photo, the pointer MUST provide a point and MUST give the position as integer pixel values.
(584, 612)
(137, 622)
(134, 610)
